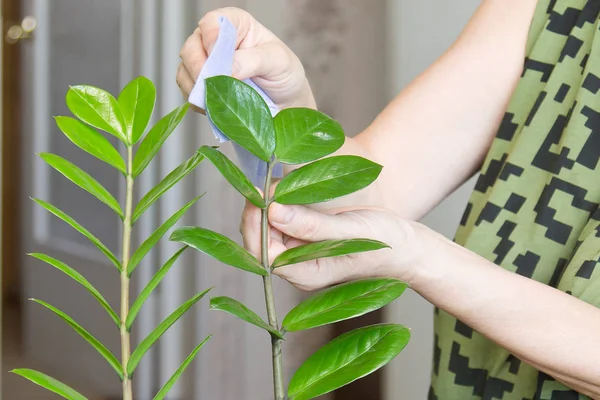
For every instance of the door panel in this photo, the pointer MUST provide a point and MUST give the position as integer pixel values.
(76, 42)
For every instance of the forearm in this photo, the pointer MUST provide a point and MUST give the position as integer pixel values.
(435, 134)
(554, 332)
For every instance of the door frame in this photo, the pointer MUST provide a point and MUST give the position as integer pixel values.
(10, 177)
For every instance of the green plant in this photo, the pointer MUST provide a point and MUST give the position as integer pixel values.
(298, 136)
(126, 118)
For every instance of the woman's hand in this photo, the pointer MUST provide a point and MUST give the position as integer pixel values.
(291, 226)
(260, 55)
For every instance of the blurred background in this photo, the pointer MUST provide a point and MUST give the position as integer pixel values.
(358, 55)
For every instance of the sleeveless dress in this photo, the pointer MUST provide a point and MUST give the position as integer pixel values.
(534, 210)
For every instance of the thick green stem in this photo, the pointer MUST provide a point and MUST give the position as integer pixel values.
(279, 391)
(125, 339)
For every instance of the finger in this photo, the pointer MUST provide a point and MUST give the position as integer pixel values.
(193, 54)
(250, 229)
(186, 83)
(270, 59)
(310, 225)
(210, 23)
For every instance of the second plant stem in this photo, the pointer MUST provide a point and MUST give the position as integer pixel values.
(279, 391)
(125, 337)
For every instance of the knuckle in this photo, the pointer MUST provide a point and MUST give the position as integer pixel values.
(308, 228)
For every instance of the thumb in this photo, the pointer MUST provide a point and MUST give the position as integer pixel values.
(306, 224)
(265, 60)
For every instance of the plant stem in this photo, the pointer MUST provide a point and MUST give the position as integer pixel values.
(125, 339)
(269, 298)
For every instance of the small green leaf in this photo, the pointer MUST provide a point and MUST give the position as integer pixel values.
(156, 279)
(305, 135)
(327, 248)
(137, 102)
(97, 108)
(47, 382)
(75, 225)
(219, 247)
(347, 358)
(241, 114)
(157, 235)
(83, 180)
(326, 180)
(234, 176)
(149, 341)
(156, 137)
(236, 308)
(95, 343)
(90, 141)
(77, 277)
(167, 183)
(342, 302)
(173, 379)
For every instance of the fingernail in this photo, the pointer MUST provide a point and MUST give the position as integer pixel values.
(281, 214)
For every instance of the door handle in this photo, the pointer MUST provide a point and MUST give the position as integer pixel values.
(22, 31)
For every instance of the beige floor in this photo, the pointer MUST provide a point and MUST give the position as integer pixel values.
(15, 387)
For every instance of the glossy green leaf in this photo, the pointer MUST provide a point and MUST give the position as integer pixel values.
(149, 341)
(77, 277)
(347, 358)
(157, 235)
(156, 137)
(327, 248)
(233, 174)
(234, 307)
(75, 225)
(241, 114)
(83, 180)
(89, 140)
(145, 293)
(326, 179)
(173, 379)
(219, 247)
(49, 383)
(97, 108)
(95, 343)
(167, 183)
(305, 135)
(342, 302)
(137, 103)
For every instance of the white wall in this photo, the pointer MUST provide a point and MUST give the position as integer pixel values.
(419, 32)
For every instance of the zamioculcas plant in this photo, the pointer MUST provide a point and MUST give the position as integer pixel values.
(127, 118)
(298, 136)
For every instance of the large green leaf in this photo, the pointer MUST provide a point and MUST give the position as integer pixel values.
(156, 279)
(326, 179)
(241, 114)
(342, 302)
(89, 140)
(233, 174)
(47, 382)
(305, 135)
(77, 277)
(75, 225)
(149, 341)
(327, 248)
(347, 358)
(137, 102)
(219, 247)
(236, 308)
(156, 236)
(173, 379)
(167, 183)
(97, 108)
(156, 138)
(83, 180)
(95, 343)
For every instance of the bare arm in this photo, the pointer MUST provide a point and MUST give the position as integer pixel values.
(435, 134)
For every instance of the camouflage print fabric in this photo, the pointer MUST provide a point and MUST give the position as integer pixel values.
(534, 210)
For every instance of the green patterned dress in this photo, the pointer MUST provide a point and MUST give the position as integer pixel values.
(534, 210)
